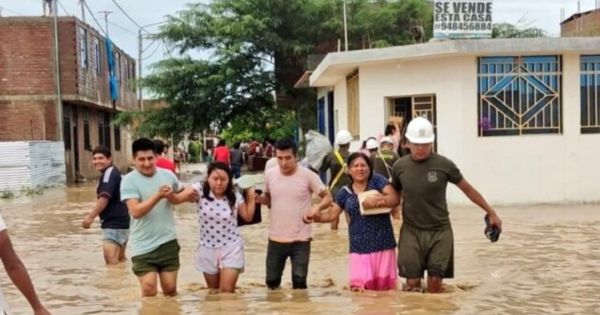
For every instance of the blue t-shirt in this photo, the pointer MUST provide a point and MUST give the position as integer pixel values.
(369, 233)
(157, 226)
(115, 215)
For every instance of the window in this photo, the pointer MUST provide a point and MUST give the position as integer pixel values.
(87, 145)
(83, 48)
(104, 129)
(97, 63)
(67, 127)
(353, 105)
(590, 88)
(519, 95)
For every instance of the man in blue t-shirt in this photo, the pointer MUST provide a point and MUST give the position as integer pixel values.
(150, 194)
(113, 212)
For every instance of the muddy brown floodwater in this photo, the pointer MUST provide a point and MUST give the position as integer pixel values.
(546, 262)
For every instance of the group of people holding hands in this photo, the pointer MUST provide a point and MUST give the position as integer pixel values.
(414, 185)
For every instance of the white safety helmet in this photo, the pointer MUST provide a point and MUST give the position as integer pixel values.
(343, 137)
(386, 140)
(420, 130)
(371, 144)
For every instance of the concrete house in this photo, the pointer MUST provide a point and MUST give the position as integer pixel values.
(520, 117)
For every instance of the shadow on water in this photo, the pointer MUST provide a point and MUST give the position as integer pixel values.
(545, 262)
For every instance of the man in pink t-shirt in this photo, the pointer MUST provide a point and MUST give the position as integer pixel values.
(288, 192)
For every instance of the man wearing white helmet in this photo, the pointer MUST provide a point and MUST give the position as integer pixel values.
(426, 238)
(335, 162)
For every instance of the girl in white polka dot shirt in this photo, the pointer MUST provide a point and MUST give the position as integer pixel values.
(220, 252)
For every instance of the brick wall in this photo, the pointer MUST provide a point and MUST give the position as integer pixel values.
(586, 24)
(26, 63)
(27, 120)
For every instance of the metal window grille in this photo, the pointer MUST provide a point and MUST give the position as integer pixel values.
(590, 88)
(519, 95)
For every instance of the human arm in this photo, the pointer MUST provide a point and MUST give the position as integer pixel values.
(100, 205)
(330, 215)
(18, 274)
(478, 199)
(187, 194)
(265, 199)
(324, 203)
(247, 208)
(138, 209)
(387, 198)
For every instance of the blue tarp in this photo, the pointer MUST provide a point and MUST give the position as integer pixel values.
(112, 78)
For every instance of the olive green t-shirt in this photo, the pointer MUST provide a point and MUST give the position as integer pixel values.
(331, 162)
(382, 160)
(423, 186)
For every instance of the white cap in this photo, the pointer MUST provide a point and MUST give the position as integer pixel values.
(386, 140)
(420, 130)
(371, 144)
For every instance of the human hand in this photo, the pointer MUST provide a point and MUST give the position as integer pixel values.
(87, 221)
(495, 220)
(312, 215)
(190, 195)
(165, 191)
(372, 201)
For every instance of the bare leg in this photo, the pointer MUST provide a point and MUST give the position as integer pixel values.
(168, 282)
(122, 256)
(148, 284)
(212, 281)
(434, 284)
(228, 280)
(111, 252)
(413, 285)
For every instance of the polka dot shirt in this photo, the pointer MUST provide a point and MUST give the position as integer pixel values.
(218, 222)
(370, 233)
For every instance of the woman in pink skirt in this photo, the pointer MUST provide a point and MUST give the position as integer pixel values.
(372, 244)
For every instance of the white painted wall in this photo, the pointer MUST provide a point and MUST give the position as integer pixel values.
(507, 169)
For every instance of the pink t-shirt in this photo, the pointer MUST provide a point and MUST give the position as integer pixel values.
(291, 198)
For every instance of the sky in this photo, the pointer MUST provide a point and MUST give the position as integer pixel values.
(544, 14)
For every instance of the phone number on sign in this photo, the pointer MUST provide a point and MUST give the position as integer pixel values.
(463, 26)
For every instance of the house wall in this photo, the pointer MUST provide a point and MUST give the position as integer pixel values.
(505, 169)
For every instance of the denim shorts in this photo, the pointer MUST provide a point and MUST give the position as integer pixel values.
(116, 236)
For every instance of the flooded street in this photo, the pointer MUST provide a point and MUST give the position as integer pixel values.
(545, 262)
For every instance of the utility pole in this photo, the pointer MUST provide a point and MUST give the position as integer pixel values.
(106, 13)
(59, 107)
(82, 4)
(345, 27)
(140, 68)
(140, 49)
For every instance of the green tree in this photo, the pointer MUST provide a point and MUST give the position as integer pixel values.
(259, 49)
(507, 30)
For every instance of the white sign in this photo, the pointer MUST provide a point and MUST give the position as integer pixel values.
(462, 19)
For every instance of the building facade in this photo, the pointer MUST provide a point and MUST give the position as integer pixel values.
(29, 109)
(520, 117)
(581, 24)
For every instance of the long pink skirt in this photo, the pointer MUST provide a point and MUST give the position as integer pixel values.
(374, 271)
